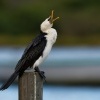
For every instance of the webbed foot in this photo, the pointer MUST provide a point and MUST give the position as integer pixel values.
(41, 73)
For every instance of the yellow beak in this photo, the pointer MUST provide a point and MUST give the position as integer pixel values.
(51, 17)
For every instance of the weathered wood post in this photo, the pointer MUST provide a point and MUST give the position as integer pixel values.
(30, 86)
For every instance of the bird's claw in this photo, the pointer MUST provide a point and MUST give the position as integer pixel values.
(41, 73)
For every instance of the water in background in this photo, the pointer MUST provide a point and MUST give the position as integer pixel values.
(68, 56)
(58, 93)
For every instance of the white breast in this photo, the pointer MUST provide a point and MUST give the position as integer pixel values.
(51, 39)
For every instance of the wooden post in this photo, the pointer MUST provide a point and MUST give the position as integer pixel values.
(30, 86)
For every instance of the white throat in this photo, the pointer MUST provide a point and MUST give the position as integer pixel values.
(46, 25)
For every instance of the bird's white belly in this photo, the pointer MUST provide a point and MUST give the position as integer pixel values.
(44, 55)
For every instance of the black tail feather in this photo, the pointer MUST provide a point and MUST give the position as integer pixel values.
(9, 82)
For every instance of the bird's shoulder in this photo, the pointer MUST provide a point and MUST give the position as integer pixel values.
(34, 42)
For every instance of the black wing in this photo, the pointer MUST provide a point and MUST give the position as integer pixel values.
(31, 53)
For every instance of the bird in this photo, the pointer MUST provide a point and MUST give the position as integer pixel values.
(37, 51)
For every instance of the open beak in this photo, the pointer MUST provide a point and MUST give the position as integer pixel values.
(52, 19)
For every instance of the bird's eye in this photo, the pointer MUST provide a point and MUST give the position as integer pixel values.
(49, 19)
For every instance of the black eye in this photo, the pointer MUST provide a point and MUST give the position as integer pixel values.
(49, 18)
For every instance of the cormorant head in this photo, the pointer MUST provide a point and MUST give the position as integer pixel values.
(48, 23)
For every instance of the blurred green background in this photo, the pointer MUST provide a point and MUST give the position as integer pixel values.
(79, 22)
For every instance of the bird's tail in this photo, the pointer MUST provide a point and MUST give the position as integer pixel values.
(9, 82)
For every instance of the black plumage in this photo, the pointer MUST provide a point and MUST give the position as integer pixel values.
(33, 51)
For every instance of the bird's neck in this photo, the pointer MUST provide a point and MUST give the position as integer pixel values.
(47, 31)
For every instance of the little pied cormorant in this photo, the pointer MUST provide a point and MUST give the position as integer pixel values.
(37, 51)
